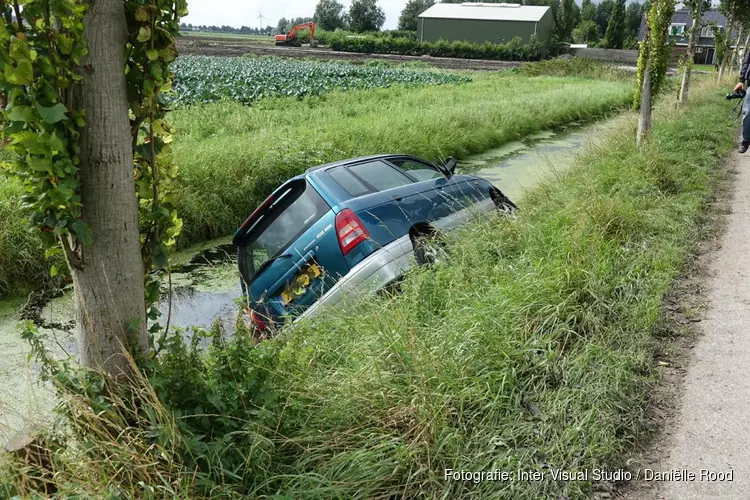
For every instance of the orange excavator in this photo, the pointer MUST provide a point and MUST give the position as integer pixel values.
(290, 39)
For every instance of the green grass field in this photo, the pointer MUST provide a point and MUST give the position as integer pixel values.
(232, 156)
(532, 349)
(705, 67)
(239, 37)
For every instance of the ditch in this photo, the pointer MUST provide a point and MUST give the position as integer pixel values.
(205, 283)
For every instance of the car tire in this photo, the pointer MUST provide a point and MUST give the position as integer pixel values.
(429, 250)
(503, 203)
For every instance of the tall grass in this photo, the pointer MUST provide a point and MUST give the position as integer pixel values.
(232, 156)
(532, 347)
(21, 253)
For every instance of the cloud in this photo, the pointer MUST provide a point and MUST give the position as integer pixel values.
(237, 13)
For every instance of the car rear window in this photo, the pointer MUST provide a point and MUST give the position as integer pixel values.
(380, 175)
(346, 180)
(292, 213)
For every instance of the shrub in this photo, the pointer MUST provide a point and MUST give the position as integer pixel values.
(575, 67)
(515, 50)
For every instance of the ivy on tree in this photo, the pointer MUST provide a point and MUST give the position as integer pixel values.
(42, 49)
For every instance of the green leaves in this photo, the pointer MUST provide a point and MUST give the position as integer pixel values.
(52, 114)
(141, 14)
(144, 34)
(207, 79)
(22, 74)
(83, 232)
(153, 26)
(39, 65)
(21, 113)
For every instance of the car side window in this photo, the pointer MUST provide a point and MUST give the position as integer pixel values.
(418, 170)
(346, 180)
(379, 175)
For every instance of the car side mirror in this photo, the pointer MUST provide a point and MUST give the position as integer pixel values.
(450, 165)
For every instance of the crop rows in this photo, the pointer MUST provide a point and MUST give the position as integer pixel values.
(201, 79)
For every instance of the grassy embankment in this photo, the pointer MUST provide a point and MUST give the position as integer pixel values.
(232, 156)
(534, 347)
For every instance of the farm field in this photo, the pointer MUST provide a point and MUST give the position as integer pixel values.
(237, 48)
(203, 79)
(228, 36)
(231, 155)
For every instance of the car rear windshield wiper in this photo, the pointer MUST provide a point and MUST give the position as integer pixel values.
(269, 261)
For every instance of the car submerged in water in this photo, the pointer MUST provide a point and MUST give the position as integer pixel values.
(348, 228)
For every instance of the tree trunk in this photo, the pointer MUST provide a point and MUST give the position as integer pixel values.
(728, 43)
(110, 307)
(644, 115)
(692, 40)
(736, 50)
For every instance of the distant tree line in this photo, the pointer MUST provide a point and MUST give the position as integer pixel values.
(330, 15)
(245, 30)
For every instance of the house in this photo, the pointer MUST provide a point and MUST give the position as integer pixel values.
(705, 51)
(485, 22)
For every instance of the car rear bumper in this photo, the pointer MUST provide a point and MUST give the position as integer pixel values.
(373, 273)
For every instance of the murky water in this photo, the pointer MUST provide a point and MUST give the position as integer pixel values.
(205, 285)
(517, 166)
(205, 294)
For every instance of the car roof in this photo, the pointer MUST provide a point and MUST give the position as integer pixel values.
(352, 160)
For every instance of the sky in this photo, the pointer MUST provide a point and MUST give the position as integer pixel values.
(237, 13)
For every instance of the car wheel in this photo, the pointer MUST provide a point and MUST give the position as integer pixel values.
(503, 203)
(429, 250)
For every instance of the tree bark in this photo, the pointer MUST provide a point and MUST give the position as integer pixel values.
(728, 43)
(110, 307)
(735, 52)
(644, 115)
(694, 31)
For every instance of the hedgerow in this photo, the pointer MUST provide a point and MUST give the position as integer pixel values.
(515, 50)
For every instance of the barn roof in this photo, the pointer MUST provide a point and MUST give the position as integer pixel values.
(486, 11)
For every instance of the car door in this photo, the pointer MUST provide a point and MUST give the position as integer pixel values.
(433, 200)
(383, 209)
(449, 196)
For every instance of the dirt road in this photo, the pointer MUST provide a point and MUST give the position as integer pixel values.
(710, 435)
(224, 47)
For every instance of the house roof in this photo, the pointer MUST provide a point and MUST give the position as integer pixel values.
(486, 11)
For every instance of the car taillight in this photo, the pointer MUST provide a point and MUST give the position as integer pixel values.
(350, 230)
(255, 320)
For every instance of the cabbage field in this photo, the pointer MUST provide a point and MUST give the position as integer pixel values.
(200, 79)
